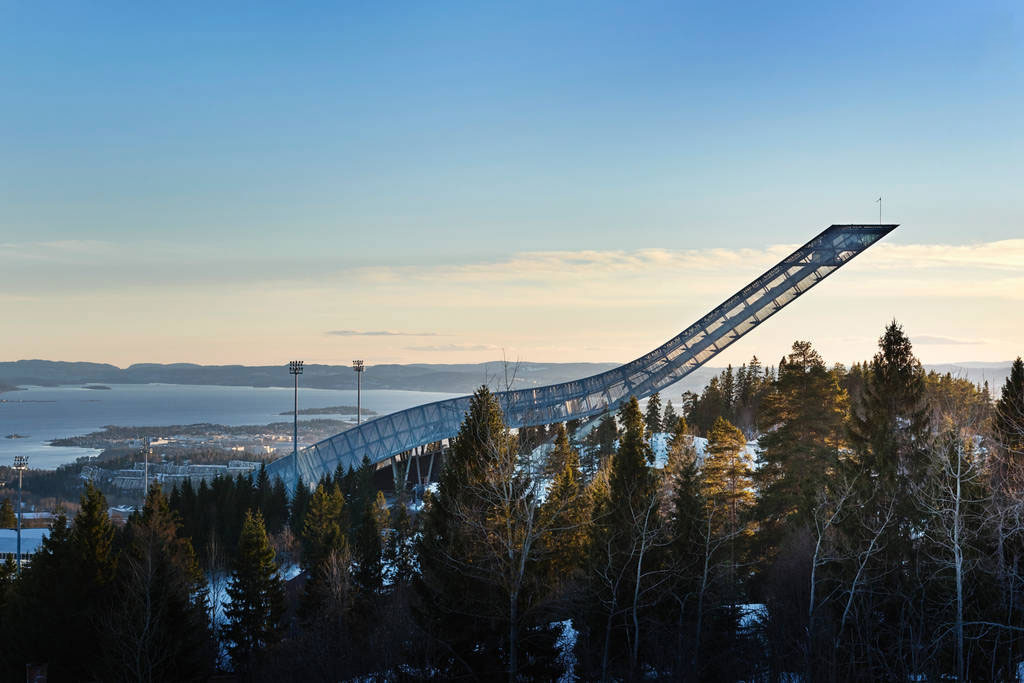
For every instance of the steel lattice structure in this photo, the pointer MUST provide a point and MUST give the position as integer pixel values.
(383, 437)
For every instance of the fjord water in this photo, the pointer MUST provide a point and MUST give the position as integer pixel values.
(45, 413)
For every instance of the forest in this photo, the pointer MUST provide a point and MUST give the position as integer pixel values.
(795, 522)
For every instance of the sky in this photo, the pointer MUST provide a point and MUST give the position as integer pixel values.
(456, 182)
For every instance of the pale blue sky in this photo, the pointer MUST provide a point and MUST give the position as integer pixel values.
(211, 162)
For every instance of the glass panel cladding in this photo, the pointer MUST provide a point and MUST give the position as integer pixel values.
(386, 436)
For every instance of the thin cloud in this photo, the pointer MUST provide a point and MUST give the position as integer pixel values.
(944, 341)
(56, 250)
(453, 347)
(380, 333)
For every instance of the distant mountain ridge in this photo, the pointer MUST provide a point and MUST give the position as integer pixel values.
(452, 378)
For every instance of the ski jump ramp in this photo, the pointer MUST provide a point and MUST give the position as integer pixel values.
(386, 436)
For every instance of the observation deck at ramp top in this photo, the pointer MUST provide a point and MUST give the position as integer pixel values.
(389, 435)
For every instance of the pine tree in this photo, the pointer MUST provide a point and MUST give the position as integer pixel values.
(802, 421)
(726, 473)
(381, 513)
(255, 612)
(727, 490)
(652, 416)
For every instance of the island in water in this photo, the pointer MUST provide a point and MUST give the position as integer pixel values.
(97, 387)
(331, 410)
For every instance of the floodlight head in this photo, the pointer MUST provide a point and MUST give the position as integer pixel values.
(357, 365)
(295, 367)
(21, 462)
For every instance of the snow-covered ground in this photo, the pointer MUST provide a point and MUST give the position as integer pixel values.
(660, 441)
(566, 646)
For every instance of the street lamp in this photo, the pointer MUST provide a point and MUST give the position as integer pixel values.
(357, 365)
(20, 464)
(295, 367)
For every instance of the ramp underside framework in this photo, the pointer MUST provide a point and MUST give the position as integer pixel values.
(383, 437)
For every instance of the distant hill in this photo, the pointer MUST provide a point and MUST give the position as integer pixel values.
(453, 378)
(979, 373)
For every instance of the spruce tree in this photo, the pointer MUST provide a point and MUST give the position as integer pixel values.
(652, 416)
(455, 607)
(92, 537)
(70, 583)
(367, 551)
(621, 548)
(157, 629)
(686, 516)
(49, 592)
(8, 520)
(560, 452)
(668, 420)
(275, 507)
(565, 515)
(262, 490)
(297, 508)
(890, 461)
(889, 424)
(1008, 428)
(728, 393)
(255, 611)
(606, 433)
(326, 526)
(477, 588)
(400, 550)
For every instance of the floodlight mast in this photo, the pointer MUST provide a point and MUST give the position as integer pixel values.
(147, 448)
(358, 366)
(295, 368)
(20, 464)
